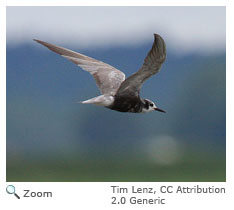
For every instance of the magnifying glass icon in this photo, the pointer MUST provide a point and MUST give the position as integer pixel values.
(11, 190)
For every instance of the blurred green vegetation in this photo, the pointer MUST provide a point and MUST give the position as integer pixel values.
(56, 169)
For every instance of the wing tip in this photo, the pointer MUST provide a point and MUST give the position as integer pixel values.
(157, 36)
(39, 41)
(160, 47)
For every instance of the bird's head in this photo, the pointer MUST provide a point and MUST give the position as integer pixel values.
(150, 106)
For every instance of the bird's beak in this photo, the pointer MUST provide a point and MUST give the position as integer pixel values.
(160, 110)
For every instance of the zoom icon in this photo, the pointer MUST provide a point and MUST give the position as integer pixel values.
(10, 189)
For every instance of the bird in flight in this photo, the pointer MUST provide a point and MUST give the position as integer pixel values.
(118, 93)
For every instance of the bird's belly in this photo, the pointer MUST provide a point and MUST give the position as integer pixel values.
(124, 104)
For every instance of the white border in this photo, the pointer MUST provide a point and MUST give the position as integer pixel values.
(98, 195)
(3, 98)
(115, 3)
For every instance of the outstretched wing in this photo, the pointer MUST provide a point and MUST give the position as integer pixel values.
(107, 77)
(152, 64)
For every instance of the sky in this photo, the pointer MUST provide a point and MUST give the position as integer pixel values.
(185, 29)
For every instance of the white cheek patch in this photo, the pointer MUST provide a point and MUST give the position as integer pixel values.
(147, 110)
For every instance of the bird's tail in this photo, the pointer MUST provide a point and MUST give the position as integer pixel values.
(102, 100)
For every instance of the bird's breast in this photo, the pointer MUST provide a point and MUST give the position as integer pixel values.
(127, 104)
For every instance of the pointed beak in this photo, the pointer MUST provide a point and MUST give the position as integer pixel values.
(160, 110)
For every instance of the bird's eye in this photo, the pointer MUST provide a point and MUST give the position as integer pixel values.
(151, 105)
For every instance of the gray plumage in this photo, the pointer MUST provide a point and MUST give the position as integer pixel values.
(107, 77)
(152, 64)
(118, 94)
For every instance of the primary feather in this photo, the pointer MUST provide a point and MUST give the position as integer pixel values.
(151, 66)
(107, 77)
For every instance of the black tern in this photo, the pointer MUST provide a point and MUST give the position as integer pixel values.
(117, 93)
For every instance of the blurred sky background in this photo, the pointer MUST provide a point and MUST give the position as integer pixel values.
(51, 137)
